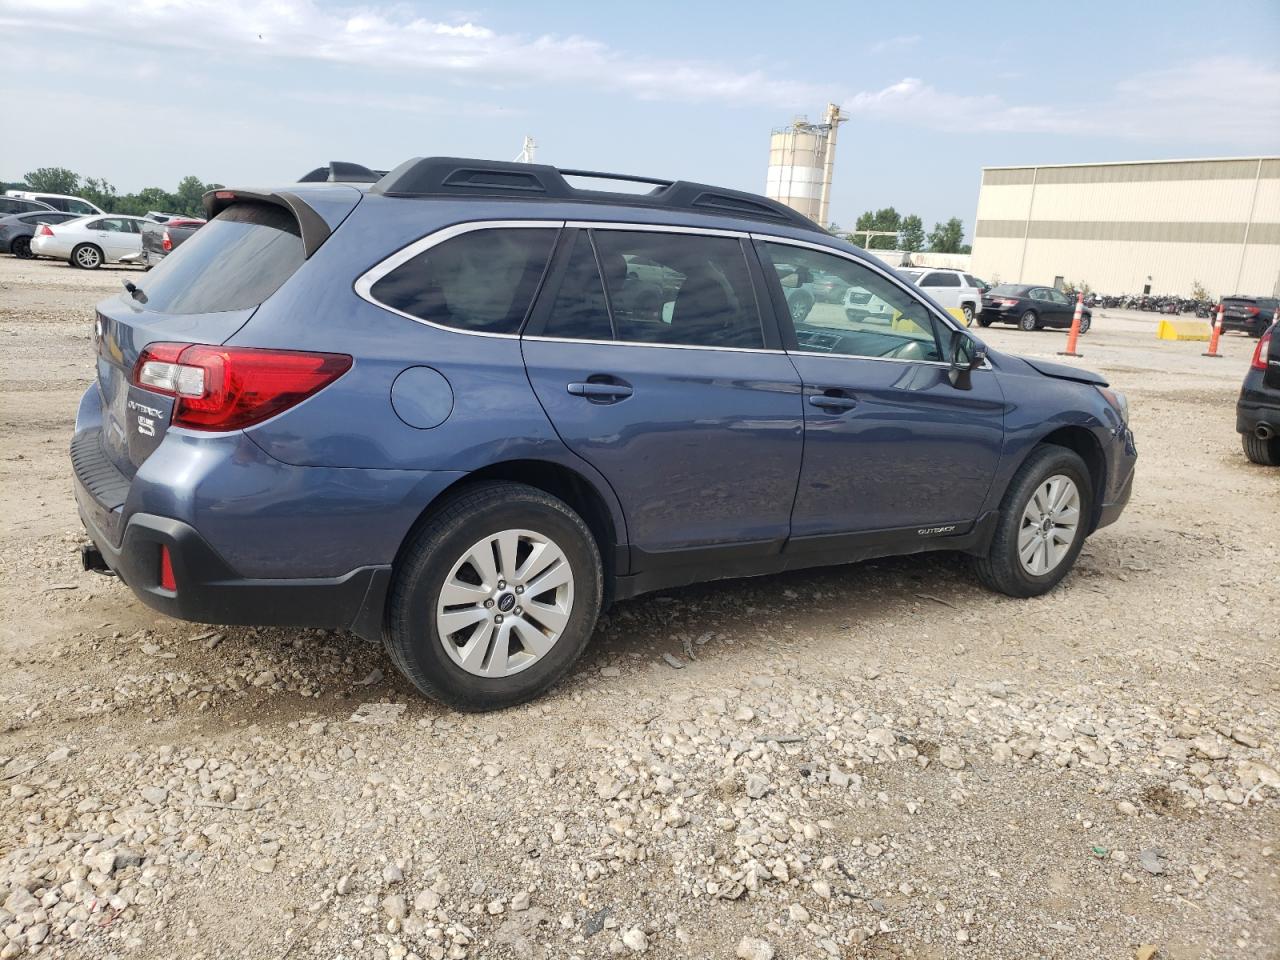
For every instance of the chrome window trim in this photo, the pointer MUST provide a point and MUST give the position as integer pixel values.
(887, 274)
(364, 283)
(657, 228)
(662, 346)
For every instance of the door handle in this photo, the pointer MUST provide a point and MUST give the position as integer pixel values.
(600, 391)
(832, 402)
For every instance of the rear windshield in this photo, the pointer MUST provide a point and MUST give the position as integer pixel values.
(1266, 303)
(235, 261)
(1007, 289)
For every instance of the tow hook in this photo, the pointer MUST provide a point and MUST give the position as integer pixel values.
(92, 560)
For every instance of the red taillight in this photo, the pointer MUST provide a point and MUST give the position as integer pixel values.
(1252, 311)
(45, 230)
(227, 388)
(166, 570)
(166, 243)
(1006, 301)
(1261, 351)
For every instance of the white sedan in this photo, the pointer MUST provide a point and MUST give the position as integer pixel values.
(89, 242)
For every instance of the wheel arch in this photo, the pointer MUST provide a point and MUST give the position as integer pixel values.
(598, 509)
(1082, 441)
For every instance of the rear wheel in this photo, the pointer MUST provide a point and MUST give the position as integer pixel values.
(86, 256)
(1043, 519)
(1265, 452)
(494, 598)
(983, 321)
(21, 248)
(967, 310)
(1029, 321)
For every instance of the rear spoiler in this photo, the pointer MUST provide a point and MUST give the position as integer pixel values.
(313, 227)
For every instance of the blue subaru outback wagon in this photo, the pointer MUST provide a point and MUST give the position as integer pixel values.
(461, 408)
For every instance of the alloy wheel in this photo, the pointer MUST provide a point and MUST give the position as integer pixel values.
(1050, 523)
(88, 257)
(505, 603)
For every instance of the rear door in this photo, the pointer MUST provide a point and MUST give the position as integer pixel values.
(892, 449)
(668, 381)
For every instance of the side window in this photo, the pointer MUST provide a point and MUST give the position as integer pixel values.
(79, 206)
(579, 311)
(932, 280)
(679, 289)
(875, 317)
(97, 225)
(1039, 293)
(972, 281)
(942, 280)
(481, 281)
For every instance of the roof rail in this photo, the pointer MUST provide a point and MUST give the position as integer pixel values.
(461, 177)
(341, 171)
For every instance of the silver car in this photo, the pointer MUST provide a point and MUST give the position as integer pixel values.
(89, 242)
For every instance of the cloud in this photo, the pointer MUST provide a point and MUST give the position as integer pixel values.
(1232, 101)
(896, 43)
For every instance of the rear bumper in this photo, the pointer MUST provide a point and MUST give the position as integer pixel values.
(1250, 416)
(1253, 325)
(50, 247)
(209, 591)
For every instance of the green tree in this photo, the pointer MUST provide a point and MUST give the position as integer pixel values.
(97, 190)
(912, 234)
(885, 219)
(947, 237)
(53, 180)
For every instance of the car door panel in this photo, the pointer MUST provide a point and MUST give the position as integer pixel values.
(902, 449)
(701, 445)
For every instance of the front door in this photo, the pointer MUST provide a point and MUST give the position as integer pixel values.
(891, 447)
(662, 377)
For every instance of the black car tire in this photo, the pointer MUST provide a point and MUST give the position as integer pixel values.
(1029, 321)
(1085, 324)
(21, 248)
(967, 310)
(79, 252)
(410, 632)
(1001, 569)
(983, 321)
(1264, 452)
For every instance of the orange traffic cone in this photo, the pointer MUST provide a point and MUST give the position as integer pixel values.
(1213, 337)
(1074, 335)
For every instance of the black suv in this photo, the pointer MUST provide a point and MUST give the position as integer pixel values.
(1250, 314)
(1258, 411)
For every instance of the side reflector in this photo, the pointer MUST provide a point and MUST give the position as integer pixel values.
(166, 571)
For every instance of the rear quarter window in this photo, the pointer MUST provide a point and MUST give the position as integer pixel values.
(235, 261)
(482, 281)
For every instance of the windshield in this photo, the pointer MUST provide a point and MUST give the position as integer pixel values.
(235, 261)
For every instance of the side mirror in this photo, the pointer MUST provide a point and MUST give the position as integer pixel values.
(965, 355)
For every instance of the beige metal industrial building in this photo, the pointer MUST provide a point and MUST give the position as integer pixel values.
(1128, 228)
(801, 158)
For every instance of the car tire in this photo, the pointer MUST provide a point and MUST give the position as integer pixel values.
(461, 667)
(1264, 452)
(983, 321)
(86, 256)
(1005, 567)
(21, 248)
(967, 310)
(1085, 324)
(1029, 321)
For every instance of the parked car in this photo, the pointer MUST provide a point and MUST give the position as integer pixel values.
(160, 238)
(11, 205)
(58, 201)
(951, 288)
(1252, 315)
(17, 230)
(89, 242)
(1258, 409)
(1030, 307)
(431, 410)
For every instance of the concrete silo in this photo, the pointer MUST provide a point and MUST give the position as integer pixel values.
(801, 158)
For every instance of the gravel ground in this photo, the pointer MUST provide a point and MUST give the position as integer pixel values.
(878, 760)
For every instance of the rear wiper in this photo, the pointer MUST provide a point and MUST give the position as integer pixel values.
(134, 290)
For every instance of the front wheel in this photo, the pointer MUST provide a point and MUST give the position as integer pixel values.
(1029, 321)
(86, 256)
(1044, 517)
(1085, 324)
(1265, 452)
(21, 248)
(494, 598)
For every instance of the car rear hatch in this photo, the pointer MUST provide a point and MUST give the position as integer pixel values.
(202, 293)
(1240, 308)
